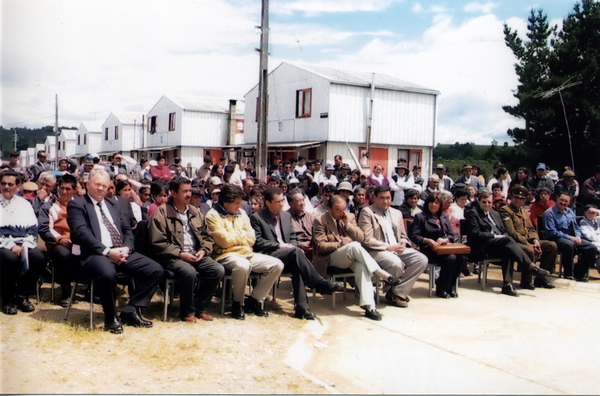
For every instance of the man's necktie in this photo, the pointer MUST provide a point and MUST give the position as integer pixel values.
(495, 228)
(340, 229)
(114, 234)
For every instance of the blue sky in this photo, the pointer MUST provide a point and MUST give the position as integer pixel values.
(112, 56)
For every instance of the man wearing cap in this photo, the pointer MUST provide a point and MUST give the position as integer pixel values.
(327, 177)
(590, 191)
(467, 178)
(344, 173)
(445, 181)
(213, 182)
(518, 225)
(540, 179)
(40, 166)
(345, 191)
(401, 182)
(567, 185)
(561, 226)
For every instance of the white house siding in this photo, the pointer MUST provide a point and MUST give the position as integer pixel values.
(130, 132)
(163, 137)
(94, 138)
(283, 126)
(403, 118)
(192, 157)
(348, 112)
(204, 129)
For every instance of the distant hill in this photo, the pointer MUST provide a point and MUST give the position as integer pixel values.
(27, 138)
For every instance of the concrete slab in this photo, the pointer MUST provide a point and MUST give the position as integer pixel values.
(542, 342)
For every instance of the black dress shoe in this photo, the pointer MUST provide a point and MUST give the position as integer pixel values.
(537, 271)
(541, 281)
(509, 290)
(453, 293)
(113, 326)
(583, 279)
(253, 306)
(10, 309)
(570, 277)
(393, 281)
(327, 287)
(442, 294)
(64, 302)
(527, 285)
(145, 321)
(302, 313)
(130, 317)
(372, 314)
(25, 305)
(237, 311)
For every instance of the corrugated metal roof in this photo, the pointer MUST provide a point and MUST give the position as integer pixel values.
(92, 126)
(68, 134)
(201, 104)
(129, 118)
(347, 77)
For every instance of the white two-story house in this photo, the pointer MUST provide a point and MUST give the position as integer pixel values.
(122, 133)
(190, 128)
(67, 144)
(89, 139)
(319, 112)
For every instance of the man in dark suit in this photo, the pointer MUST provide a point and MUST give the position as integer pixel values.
(486, 234)
(105, 240)
(276, 237)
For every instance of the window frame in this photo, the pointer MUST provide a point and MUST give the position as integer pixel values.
(172, 121)
(304, 106)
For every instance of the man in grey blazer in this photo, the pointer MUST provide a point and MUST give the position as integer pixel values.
(385, 238)
(275, 236)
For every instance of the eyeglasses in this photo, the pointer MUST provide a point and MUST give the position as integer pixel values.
(5, 184)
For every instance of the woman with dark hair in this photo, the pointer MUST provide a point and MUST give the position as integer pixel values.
(125, 192)
(161, 171)
(500, 177)
(477, 173)
(218, 171)
(377, 178)
(522, 178)
(431, 228)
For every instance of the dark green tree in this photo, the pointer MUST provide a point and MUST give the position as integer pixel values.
(577, 49)
(547, 61)
(533, 70)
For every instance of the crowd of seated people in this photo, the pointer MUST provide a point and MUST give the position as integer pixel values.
(306, 219)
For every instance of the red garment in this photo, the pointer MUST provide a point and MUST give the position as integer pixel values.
(163, 173)
(537, 209)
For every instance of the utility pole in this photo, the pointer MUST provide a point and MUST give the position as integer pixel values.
(263, 105)
(15, 139)
(56, 131)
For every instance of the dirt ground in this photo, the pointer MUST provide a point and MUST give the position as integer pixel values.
(42, 354)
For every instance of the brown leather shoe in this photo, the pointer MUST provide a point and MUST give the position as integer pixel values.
(189, 319)
(396, 300)
(204, 316)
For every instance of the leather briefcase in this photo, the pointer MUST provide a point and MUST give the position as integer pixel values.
(451, 248)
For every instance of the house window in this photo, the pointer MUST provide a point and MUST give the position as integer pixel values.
(152, 124)
(303, 103)
(117, 132)
(85, 139)
(105, 133)
(79, 140)
(172, 121)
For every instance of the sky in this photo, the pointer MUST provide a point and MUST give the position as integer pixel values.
(123, 56)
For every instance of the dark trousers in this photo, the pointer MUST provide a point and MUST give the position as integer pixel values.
(509, 251)
(450, 268)
(195, 296)
(146, 272)
(14, 283)
(548, 259)
(568, 250)
(303, 272)
(63, 261)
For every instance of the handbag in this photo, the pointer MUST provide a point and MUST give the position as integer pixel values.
(451, 248)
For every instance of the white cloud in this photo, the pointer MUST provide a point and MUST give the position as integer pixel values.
(484, 8)
(469, 64)
(417, 8)
(317, 7)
